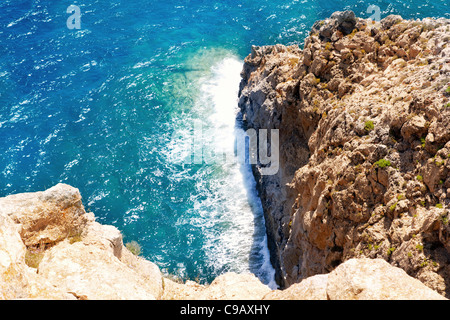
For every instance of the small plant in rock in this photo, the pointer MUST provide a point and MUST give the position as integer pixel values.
(33, 257)
(392, 208)
(423, 142)
(382, 163)
(134, 247)
(368, 125)
(439, 163)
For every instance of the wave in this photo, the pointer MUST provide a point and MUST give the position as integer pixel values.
(225, 204)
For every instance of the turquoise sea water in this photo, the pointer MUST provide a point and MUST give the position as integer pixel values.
(107, 108)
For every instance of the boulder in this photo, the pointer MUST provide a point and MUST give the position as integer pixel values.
(46, 217)
(17, 280)
(312, 288)
(375, 279)
(233, 286)
(345, 20)
(89, 272)
(358, 279)
(50, 248)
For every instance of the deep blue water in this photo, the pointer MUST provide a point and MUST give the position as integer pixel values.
(105, 109)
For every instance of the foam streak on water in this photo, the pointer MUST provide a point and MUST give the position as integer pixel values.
(226, 206)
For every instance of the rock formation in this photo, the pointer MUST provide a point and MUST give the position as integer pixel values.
(50, 248)
(358, 209)
(363, 115)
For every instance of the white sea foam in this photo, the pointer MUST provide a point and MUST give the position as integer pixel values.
(226, 206)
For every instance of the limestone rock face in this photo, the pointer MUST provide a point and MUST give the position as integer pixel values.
(94, 264)
(363, 117)
(312, 288)
(375, 279)
(91, 273)
(50, 248)
(232, 286)
(358, 279)
(46, 217)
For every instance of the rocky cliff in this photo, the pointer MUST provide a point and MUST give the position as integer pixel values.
(363, 113)
(51, 248)
(358, 209)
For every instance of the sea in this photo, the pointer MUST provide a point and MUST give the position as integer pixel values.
(110, 97)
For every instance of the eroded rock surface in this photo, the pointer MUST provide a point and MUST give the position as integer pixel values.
(362, 188)
(358, 279)
(92, 263)
(50, 248)
(363, 116)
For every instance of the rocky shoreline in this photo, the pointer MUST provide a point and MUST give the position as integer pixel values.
(363, 115)
(358, 209)
(51, 248)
